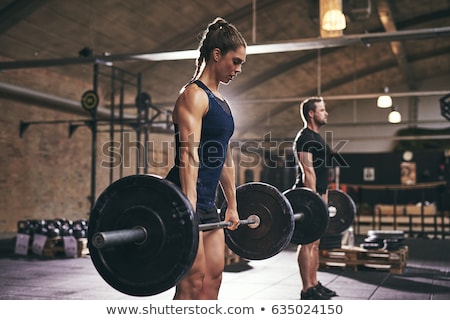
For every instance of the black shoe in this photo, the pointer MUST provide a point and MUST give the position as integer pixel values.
(325, 291)
(313, 294)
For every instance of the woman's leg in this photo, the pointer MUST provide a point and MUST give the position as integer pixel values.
(190, 286)
(214, 246)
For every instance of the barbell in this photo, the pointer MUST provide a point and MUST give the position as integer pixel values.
(143, 234)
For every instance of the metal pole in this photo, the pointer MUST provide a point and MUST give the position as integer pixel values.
(111, 124)
(94, 142)
(121, 122)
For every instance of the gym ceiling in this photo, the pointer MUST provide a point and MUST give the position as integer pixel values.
(395, 44)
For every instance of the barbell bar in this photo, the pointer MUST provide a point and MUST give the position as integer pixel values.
(138, 234)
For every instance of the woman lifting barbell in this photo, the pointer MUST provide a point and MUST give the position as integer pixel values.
(203, 127)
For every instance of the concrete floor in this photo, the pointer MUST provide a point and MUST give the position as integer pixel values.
(426, 277)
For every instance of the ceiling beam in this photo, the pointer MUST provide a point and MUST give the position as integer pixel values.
(16, 11)
(281, 68)
(278, 47)
(241, 14)
(397, 48)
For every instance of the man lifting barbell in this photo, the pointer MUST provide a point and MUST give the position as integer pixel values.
(313, 157)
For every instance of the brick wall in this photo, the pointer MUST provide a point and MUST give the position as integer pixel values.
(45, 174)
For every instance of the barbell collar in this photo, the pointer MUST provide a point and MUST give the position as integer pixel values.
(137, 235)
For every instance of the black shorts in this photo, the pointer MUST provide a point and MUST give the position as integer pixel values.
(207, 215)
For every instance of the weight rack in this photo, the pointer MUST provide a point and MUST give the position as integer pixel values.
(148, 116)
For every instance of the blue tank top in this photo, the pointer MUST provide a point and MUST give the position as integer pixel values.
(217, 129)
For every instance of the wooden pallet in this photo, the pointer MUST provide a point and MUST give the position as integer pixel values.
(356, 257)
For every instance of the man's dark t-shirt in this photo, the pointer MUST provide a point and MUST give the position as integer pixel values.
(310, 141)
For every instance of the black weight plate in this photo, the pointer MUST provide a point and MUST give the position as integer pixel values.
(345, 211)
(315, 221)
(276, 222)
(160, 207)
